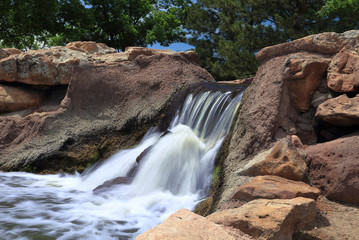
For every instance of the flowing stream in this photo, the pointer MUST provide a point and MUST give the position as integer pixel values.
(173, 172)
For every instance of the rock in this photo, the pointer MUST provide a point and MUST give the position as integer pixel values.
(90, 47)
(323, 43)
(186, 225)
(307, 75)
(268, 219)
(110, 183)
(271, 187)
(282, 160)
(246, 81)
(343, 72)
(133, 52)
(41, 67)
(12, 51)
(340, 111)
(333, 167)
(18, 98)
(108, 106)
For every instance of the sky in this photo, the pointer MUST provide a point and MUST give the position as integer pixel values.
(174, 47)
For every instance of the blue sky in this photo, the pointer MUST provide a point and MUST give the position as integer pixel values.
(174, 46)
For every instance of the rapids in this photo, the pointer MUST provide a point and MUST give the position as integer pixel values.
(175, 173)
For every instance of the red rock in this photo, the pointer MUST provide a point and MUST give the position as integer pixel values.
(107, 106)
(334, 168)
(340, 111)
(12, 51)
(186, 225)
(18, 98)
(91, 47)
(343, 72)
(274, 219)
(282, 160)
(246, 81)
(324, 43)
(272, 187)
(307, 75)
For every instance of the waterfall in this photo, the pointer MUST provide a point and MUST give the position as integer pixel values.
(133, 190)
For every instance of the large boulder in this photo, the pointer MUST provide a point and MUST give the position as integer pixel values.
(283, 160)
(268, 219)
(340, 111)
(273, 187)
(108, 105)
(334, 168)
(90, 47)
(186, 225)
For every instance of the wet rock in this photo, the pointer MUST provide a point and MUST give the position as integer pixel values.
(186, 225)
(90, 47)
(307, 75)
(18, 98)
(274, 219)
(282, 160)
(333, 167)
(343, 72)
(110, 183)
(340, 111)
(272, 187)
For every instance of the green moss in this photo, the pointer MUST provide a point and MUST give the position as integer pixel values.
(29, 168)
(215, 175)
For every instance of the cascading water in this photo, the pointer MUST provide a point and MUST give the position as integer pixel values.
(174, 172)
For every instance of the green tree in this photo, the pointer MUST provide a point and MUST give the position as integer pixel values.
(227, 33)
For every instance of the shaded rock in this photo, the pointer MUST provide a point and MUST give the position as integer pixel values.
(340, 111)
(5, 52)
(268, 219)
(18, 98)
(186, 225)
(343, 72)
(334, 168)
(107, 106)
(307, 75)
(90, 47)
(110, 183)
(282, 160)
(324, 43)
(271, 187)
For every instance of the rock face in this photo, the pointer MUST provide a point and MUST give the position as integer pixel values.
(340, 111)
(90, 47)
(282, 160)
(272, 187)
(186, 225)
(294, 82)
(110, 103)
(268, 219)
(334, 168)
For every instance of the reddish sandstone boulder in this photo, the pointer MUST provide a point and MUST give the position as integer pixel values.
(340, 111)
(271, 187)
(343, 72)
(282, 160)
(274, 219)
(186, 225)
(334, 168)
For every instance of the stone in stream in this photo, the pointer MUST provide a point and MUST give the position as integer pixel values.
(110, 183)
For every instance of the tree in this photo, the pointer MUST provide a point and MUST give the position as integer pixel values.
(118, 23)
(227, 33)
